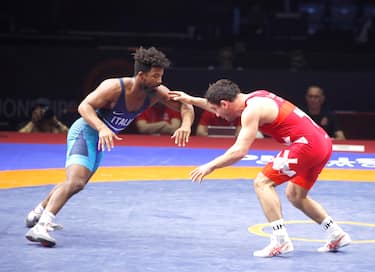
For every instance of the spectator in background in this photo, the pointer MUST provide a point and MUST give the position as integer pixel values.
(226, 58)
(321, 114)
(69, 114)
(208, 118)
(158, 119)
(43, 119)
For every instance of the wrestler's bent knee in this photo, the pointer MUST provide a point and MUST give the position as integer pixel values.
(75, 186)
(261, 181)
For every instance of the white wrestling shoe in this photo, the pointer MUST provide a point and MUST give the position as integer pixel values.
(279, 245)
(336, 241)
(32, 219)
(39, 233)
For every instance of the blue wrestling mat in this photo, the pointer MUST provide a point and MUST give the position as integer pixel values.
(176, 225)
(179, 226)
(35, 156)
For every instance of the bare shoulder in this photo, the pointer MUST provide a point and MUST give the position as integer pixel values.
(162, 89)
(255, 103)
(108, 90)
(264, 109)
(163, 97)
(162, 92)
(110, 83)
(262, 101)
(127, 81)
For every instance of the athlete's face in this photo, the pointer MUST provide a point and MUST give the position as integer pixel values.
(224, 110)
(152, 78)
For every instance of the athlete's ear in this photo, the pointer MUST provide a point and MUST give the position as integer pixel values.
(224, 104)
(140, 73)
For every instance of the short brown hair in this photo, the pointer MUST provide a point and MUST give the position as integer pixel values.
(222, 89)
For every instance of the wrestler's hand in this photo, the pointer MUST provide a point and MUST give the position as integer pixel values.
(106, 137)
(181, 136)
(180, 96)
(199, 173)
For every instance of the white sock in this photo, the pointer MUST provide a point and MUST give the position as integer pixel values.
(39, 209)
(278, 228)
(47, 217)
(330, 226)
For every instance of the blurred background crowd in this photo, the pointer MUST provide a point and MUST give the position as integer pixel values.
(60, 49)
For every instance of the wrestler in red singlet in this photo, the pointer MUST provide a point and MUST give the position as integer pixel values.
(307, 150)
(301, 135)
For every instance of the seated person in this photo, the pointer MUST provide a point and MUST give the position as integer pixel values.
(319, 112)
(208, 118)
(158, 119)
(43, 119)
(69, 114)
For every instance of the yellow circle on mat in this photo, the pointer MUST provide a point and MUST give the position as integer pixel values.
(258, 230)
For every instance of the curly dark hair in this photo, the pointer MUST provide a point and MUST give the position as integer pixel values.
(145, 59)
(222, 89)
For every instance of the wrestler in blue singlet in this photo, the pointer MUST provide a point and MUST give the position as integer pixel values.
(82, 140)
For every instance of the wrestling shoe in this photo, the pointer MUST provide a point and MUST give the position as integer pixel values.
(39, 233)
(336, 241)
(33, 218)
(279, 245)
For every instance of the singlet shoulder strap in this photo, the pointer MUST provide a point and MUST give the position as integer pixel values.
(120, 103)
(122, 84)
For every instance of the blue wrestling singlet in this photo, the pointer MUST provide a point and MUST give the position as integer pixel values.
(82, 139)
